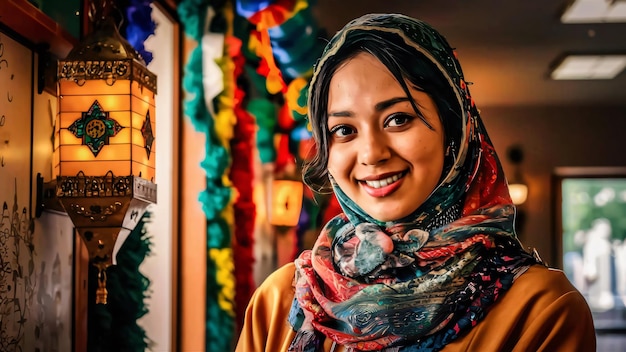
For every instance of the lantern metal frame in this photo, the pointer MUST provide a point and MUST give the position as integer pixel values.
(96, 204)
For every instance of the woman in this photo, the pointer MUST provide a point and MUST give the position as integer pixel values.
(424, 256)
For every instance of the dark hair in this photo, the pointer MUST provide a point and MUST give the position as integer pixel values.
(405, 63)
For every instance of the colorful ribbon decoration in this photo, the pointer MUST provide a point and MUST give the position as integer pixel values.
(286, 43)
(276, 59)
(216, 199)
(139, 26)
(285, 39)
(242, 174)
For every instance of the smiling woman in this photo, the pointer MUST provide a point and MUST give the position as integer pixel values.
(424, 256)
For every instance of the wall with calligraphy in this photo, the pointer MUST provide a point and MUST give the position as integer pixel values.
(36, 260)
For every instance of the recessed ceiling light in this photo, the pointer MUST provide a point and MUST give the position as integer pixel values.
(576, 67)
(595, 11)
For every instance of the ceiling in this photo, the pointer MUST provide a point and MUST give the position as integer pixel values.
(506, 47)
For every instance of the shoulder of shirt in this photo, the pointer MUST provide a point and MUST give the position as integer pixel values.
(543, 280)
(280, 280)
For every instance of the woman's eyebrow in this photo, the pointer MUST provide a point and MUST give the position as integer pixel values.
(387, 103)
(379, 107)
(340, 114)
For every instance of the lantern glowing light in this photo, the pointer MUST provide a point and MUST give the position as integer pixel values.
(518, 192)
(286, 202)
(518, 189)
(106, 98)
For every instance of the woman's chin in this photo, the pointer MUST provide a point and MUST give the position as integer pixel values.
(386, 214)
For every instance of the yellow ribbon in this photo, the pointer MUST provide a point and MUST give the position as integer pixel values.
(223, 257)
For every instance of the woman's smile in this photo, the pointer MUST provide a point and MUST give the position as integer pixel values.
(382, 185)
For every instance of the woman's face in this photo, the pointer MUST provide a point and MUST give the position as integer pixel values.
(382, 155)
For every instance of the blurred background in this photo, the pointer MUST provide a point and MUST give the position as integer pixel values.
(223, 138)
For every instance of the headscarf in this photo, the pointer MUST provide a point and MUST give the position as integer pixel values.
(417, 283)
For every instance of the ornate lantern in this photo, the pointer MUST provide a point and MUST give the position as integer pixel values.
(104, 153)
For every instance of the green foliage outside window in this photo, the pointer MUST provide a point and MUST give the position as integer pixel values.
(588, 199)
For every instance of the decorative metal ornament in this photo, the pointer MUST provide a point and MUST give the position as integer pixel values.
(95, 127)
(148, 136)
(104, 210)
(104, 55)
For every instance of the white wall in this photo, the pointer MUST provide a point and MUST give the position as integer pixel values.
(158, 266)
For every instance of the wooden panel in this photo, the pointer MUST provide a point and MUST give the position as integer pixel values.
(193, 247)
(25, 19)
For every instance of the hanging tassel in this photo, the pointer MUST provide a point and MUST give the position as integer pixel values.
(101, 292)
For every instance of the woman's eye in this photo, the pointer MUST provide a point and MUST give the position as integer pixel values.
(341, 131)
(398, 120)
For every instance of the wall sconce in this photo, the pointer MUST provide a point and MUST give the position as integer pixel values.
(104, 155)
(286, 202)
(518, 189)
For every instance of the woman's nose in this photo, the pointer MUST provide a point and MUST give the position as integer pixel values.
(373, 149)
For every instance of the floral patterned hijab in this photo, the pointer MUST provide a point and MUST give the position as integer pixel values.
(418, 283)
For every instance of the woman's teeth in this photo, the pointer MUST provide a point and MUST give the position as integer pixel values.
(384, 182)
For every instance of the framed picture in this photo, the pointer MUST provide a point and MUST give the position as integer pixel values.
(591, 239)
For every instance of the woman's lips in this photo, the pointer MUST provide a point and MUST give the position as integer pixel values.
(383, 186)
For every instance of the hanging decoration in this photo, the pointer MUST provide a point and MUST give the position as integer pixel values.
(286, 39)
(113, 326)
(268, 64)
(206, 22)
(242, 174)
(284, 34)
(139, 26)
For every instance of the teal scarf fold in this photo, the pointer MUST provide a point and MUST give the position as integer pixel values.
(417, 283)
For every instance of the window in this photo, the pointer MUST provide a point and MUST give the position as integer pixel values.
(591, 229)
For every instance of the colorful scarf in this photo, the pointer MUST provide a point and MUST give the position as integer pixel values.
(418, 283)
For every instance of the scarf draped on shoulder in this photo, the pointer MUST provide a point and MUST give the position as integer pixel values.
(418, 283)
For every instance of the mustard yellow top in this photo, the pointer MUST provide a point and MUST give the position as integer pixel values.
(542, 311)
